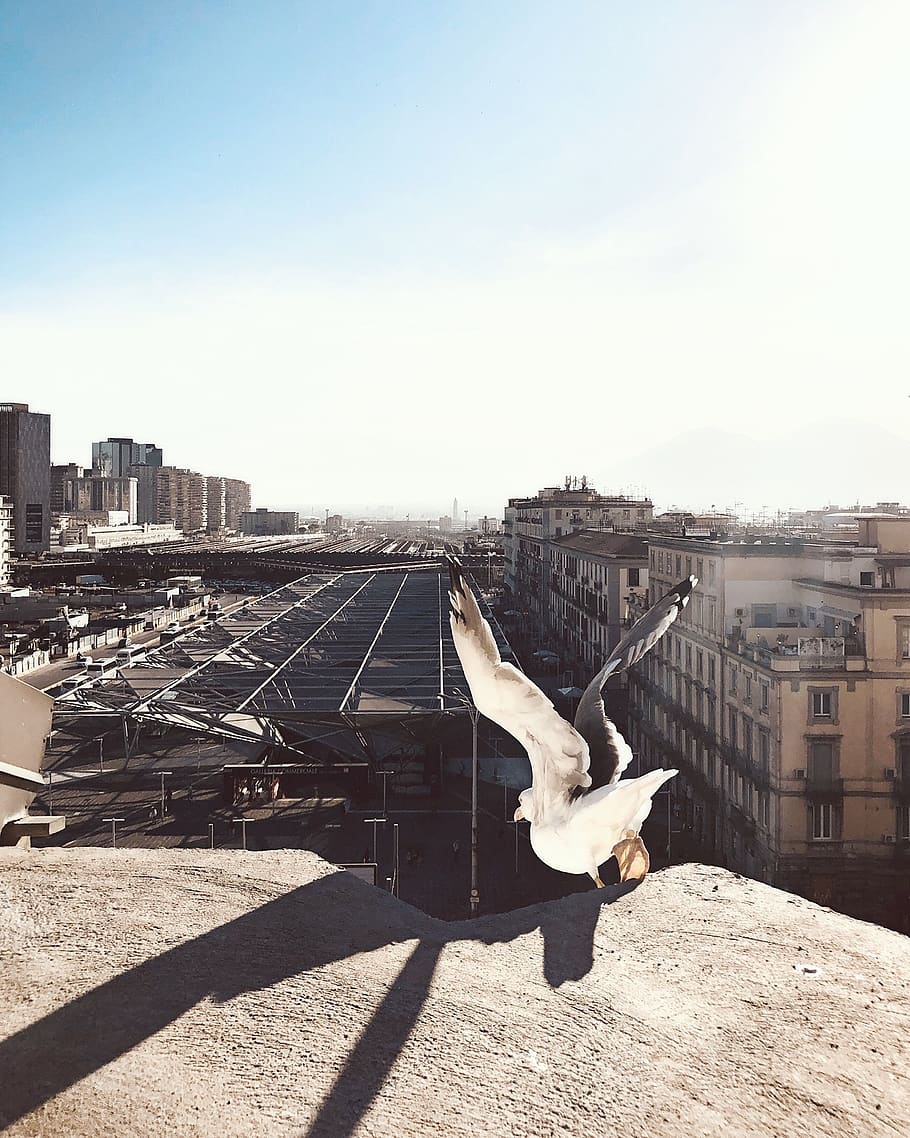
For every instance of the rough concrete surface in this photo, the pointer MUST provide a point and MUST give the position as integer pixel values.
(150, 992)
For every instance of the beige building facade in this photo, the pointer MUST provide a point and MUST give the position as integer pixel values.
(783, 695)
(531, 525)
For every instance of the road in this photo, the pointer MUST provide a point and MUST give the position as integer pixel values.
(58, 670)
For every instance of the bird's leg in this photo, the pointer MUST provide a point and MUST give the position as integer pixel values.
(632, 857)
(600, 884)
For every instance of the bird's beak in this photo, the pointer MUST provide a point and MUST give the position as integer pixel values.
(519, 817)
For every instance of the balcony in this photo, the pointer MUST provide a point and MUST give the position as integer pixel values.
(824, 786)
(808, 654)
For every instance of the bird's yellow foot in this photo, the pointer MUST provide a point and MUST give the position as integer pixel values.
(599, 883)
(632, 857)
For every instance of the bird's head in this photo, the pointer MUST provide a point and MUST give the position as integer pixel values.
(525, 806)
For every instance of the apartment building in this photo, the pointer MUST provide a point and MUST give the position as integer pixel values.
(75, 493)
(594, 577)
(268, 523)
(531, 525)
(783, 696)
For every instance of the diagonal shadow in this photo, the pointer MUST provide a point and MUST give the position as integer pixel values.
(304, 929)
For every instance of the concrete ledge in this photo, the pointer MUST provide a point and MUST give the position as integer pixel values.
(35, 826)
(21, 777)
(199, 992)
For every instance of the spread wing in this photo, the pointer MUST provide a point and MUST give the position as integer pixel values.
(559, 755)
(610, 753)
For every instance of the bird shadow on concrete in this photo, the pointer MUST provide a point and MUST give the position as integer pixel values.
(304, 929)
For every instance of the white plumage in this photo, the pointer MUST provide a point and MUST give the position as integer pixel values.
(575, 826)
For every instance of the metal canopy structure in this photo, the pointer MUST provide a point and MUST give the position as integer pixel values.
(333, 666)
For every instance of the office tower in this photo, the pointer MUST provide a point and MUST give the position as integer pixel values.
(25, 474)
(112, 458)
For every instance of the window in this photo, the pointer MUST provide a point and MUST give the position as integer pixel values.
(821, 704)
(903, 762)
(732, 726)
(688, 566)
(711, 670)
(700, 568)
(764, 748)
(733, 671)
(822, 762)
(710, 572)
(903, 634)
(747, 689)
(633, 577)
(905, 704)
(710, 614)
(653, 560)
(747, 737)
(822, 821)
(867, 580)
(699, 663)
(764, 809)
(678, 565)
(559, 513)
(763, 688)
(34, 520)
(688, 657)
(903, 822)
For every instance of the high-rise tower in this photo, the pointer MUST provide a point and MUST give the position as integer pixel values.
(25, 474)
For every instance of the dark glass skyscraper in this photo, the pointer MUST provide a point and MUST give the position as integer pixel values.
(25, 474)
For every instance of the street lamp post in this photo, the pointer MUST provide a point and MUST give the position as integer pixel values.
(163, 773)
(101, 753)
(395, 835)
(475, 716)
(113, 822)
(242, 822)
(385, 786)
(211, 835)
(376, 822)
(475, 895)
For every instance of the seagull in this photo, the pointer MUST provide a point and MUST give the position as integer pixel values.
(581, 812)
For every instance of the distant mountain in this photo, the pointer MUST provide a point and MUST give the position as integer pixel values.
(833, 461)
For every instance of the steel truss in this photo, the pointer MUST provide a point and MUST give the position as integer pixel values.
(332, 664)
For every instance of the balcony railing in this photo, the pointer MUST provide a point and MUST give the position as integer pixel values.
(824, 786)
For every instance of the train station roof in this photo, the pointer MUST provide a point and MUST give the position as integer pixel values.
(330, 654)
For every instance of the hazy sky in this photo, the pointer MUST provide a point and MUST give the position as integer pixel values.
(396, 252)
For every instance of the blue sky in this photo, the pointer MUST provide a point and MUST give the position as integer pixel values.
(397, 252)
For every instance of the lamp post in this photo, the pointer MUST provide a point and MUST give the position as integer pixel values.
(113, 822)
(163, 773)
(395, 835)
(385, 786)
(242, 822)
(475, 715)
(211, 835)
(376, 822)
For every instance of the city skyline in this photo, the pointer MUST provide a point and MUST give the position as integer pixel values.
(459, 251)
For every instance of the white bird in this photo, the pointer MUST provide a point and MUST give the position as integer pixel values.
(577, 821)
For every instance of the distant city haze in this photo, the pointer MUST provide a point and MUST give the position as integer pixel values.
(371, 258)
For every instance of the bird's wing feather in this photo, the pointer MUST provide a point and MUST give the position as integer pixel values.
(559, 755)
(610, 753)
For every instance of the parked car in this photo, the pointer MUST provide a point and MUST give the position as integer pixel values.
(174, 626)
